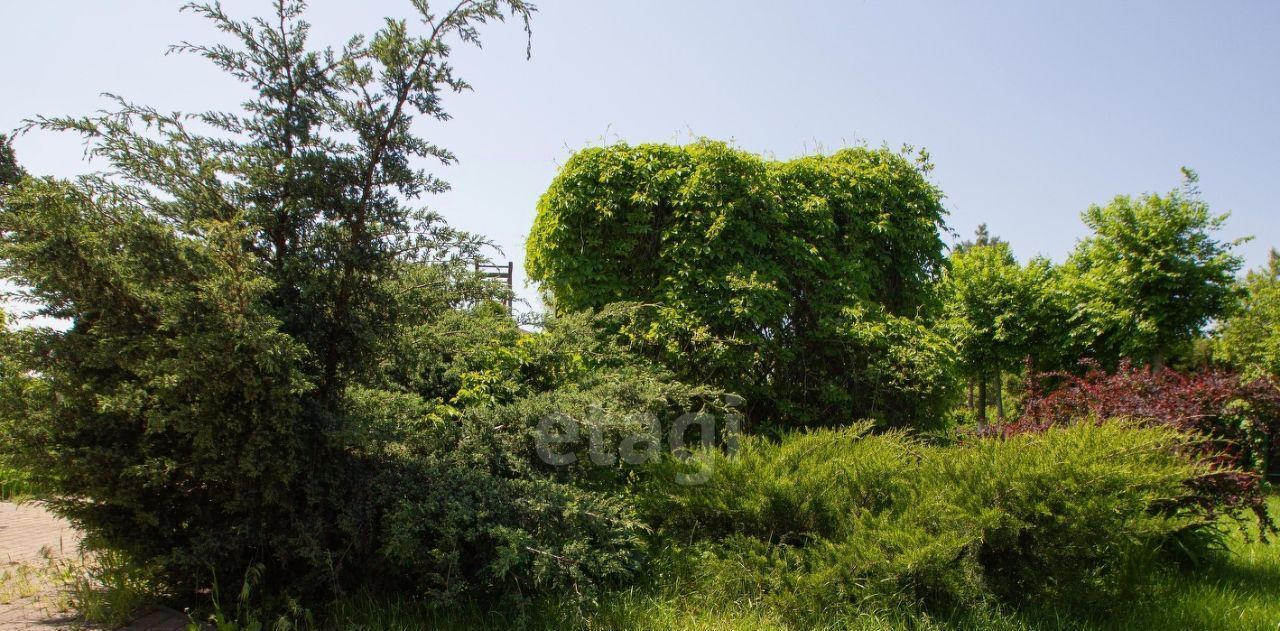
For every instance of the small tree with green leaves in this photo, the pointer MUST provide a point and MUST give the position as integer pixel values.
(1151, 276)
(993, 309)
(1250, 339)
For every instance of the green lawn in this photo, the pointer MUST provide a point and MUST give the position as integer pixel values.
(1240, 592)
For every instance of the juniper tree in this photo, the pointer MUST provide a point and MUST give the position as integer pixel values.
(225, 282)
(10, 171)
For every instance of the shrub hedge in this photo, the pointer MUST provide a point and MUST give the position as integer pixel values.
(1237, 421)
(843, 521)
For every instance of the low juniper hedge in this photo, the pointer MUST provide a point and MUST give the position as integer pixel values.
(1238, 420)
(847, 522)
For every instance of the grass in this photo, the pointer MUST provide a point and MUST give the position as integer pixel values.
(102, 586)
(19, 582)
(39, 581)
(106, 587)
(1241, 591)
(15, 484)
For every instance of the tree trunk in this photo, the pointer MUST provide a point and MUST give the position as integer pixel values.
(982, 401)
(1000, 397)
(970, 408)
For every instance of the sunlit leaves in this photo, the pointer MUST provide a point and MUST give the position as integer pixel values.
(1153, 273)
(748, 271)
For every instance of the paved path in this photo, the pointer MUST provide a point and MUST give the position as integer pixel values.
(32, 542)
(27, 529)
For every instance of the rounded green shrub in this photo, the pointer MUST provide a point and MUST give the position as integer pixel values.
(804, 286)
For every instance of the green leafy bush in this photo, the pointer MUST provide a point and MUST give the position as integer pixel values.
(804, 286)
(843, 521)
(1075, 517)
(468, 502)
(14, 482)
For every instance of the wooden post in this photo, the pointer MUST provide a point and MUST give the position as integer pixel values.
(505, 272)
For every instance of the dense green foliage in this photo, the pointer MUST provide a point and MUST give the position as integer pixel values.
(1250, 339)
(1141, 288)
(270, 360)
(14, 482)
(804, 286)
(997, 312)
(470, 499)
(1150, 277)
(1232, 591)
(1236, 422)
(840, 524)
(10, 171)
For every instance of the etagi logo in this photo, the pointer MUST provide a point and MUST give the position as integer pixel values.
(557, 433)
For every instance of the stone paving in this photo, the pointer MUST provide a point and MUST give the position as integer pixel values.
(26, 529)
(30, 541)
(32, 545)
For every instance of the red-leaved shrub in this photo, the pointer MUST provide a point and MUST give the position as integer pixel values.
(1238, 422)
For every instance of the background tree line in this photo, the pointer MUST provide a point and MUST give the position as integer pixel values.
(821, 290)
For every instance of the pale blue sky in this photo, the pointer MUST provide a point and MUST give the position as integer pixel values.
(1031, 111)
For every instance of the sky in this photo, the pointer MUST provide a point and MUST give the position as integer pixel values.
(1031, 111)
